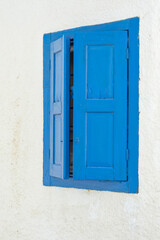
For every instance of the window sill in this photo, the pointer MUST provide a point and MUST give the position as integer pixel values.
(113, 186)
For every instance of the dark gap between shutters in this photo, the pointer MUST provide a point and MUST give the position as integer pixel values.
(71, 112)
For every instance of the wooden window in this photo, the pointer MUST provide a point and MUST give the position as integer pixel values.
(91, 107)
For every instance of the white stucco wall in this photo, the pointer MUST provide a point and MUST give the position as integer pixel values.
(30, 211)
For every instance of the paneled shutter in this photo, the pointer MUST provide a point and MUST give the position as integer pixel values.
(100, 106)
(59, 127)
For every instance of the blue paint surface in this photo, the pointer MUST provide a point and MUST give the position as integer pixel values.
(100, 122)
(99, 70)
(58, 117)
(131, 27)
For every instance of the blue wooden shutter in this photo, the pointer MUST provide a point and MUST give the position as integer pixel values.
(59, 116)
(100, 106)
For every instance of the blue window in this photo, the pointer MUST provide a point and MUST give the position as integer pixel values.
(91, 107)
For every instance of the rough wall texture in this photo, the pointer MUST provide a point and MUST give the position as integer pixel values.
(28, 209)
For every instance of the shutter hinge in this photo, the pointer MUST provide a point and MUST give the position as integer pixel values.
(127, 53)
(127, 154)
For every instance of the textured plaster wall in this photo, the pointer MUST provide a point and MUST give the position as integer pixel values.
(30, 211)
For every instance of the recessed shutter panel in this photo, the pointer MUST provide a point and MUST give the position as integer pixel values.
(100, 106)
(58, 109)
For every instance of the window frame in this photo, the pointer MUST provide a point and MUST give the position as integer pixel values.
(131, 185)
